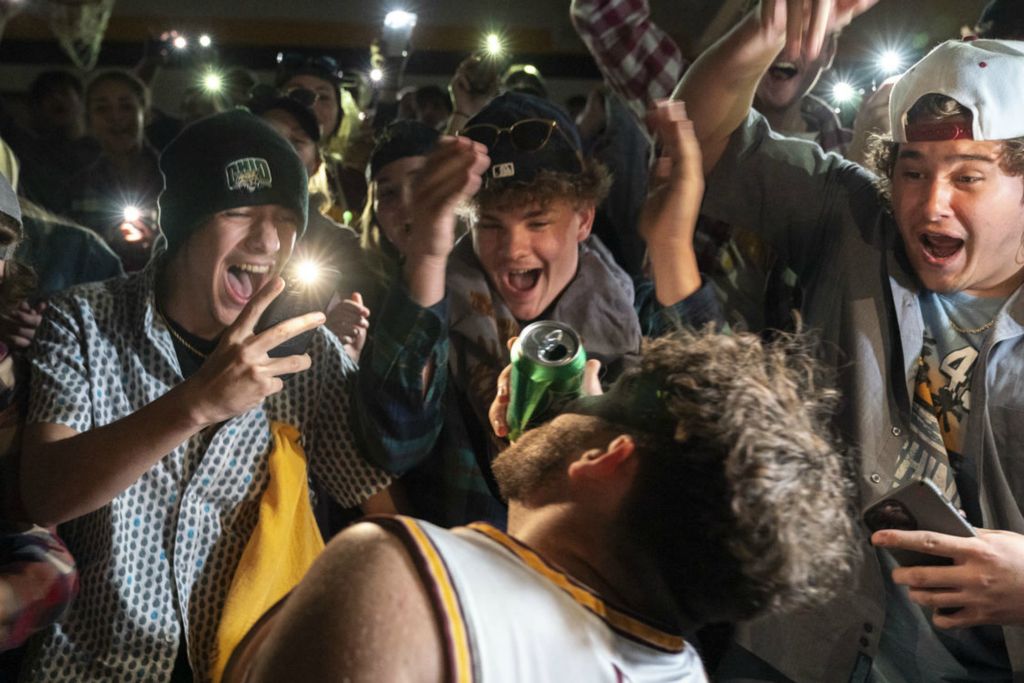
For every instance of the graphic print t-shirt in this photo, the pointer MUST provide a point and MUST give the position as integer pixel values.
(911, 650)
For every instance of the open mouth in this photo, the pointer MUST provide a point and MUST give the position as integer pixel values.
(783, 71)
(523, 280)
(940, 247)
(245, 279)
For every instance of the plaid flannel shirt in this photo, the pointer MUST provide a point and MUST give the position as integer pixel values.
(642, 63)
(406, 338)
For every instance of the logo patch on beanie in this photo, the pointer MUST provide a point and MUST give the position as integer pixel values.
(249, 174)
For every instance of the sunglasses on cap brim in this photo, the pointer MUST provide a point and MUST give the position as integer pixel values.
(528, 135)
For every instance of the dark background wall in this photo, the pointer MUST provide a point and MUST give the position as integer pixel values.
(250, 32)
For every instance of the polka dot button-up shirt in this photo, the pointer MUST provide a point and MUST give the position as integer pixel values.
(158, 559)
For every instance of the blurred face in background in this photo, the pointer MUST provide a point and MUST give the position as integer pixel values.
(198, 103)
(392, 202)
(292, 131)
(116, 117)
(60, 110)
(787, 82)
(327, 106)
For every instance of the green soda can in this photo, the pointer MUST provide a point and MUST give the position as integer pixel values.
(547, 370)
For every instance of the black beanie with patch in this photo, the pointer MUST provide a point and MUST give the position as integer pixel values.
(226, 161)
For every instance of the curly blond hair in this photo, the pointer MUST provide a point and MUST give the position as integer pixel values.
(749, 506)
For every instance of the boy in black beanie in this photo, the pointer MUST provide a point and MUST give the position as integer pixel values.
(158, 416)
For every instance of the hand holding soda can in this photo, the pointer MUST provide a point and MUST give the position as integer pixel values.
(547, 371)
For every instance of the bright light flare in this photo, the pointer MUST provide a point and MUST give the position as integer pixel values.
(213, 82)
(180, 42)
(399, 19)
(376, 75)
(205, 40)
(493, 44)
(131, 213)
(890, 62)
(307, 272)
(531, 69)
(843, 92)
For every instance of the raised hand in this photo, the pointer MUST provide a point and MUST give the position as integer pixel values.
(474, 84)
(239, 373)
(498, 411)
(452, 172)
(668, 218)
(807, 23)
(18, 327)
(676, 179)
(349, 321)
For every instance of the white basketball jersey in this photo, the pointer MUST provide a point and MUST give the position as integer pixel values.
(508, 615)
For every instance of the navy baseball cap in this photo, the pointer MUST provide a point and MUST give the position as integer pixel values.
(399, 140)
(524, 135)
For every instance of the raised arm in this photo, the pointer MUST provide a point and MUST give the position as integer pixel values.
(669, 216)
(451, 173)
(719, 87)
(401, 373)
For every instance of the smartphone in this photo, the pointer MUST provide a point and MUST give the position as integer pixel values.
(397, 33)
(917, 505)
(308, 287)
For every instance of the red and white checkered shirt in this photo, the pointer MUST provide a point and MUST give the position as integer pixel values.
(638, 60)
(642, 63)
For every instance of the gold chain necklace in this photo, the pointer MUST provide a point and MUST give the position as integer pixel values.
(184, 342)
(971, 330)
(946, 305)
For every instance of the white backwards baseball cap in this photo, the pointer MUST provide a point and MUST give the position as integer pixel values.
(985, 76)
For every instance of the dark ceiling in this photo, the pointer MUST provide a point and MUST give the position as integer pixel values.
(251, 31)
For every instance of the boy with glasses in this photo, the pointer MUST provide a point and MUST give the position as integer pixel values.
(529, 255)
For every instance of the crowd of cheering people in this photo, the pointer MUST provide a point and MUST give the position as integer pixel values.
(785, 320)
